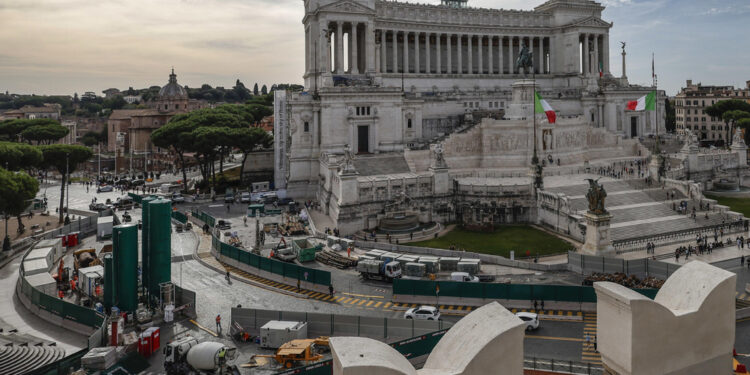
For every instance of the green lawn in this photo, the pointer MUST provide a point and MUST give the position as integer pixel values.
(519, 238)
(741, 205)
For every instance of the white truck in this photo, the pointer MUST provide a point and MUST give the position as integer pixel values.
(378, 269)
(187, 356)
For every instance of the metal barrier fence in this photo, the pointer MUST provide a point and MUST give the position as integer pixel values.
(557, 365)
(179, 216)
(287, 270)
(639, 243)
(411, 348)
(136, 198)
(204, 217)
(61, 308)
(588, 264)
(493, 291)
(321, 324)
(62, 366)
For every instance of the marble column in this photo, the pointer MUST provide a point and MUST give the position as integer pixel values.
(459, 57)
(416, 53)
(585, 64)
(500, 54)
(595, 69)
(427, 56)
(339, 48)
(406, 52)
(490, 64)
(540, 56)
(325, 49)
(354, 63)
(605, 54)
(383, 52)
(480, 54)
(394, 47)
(512, 54)
(368, 46)
(439, 55)
(448, 57)
(470, 53)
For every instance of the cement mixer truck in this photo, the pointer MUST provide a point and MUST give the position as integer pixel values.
(187, 356)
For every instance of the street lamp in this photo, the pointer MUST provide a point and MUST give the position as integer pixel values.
(67, 188)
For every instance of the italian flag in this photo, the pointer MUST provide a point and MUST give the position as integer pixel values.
(644, 103)
(541, 106)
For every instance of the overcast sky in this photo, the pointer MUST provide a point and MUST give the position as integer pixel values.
(67, 46)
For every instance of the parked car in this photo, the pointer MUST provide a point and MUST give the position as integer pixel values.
(104, 189)
(98, 207)
(229, 197)
(245, 197)
(137, 182)
(270, 197)
(177, 198)
(285, 201)
(423, 313)
(463, 276)
(531, 320)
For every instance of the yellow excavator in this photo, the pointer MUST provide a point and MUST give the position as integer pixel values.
(298, 352)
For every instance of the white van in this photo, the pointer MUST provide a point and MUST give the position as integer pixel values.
(463, 276)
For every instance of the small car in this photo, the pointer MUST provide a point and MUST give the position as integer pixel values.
(228, 198)
(531, 320)
(423, 313)
(177, 198)
(245, 197)
(104, 189)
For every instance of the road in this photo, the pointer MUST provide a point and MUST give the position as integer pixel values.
(555, 339)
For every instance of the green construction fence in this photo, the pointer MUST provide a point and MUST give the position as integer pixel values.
(204, 217)
(179, 216)
(410, 348)
(527, 292)
(61, 308)
(136, 198)
(289, 270)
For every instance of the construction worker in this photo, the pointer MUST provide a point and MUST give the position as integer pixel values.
(60, 294)
(218, 324)
(222, 360)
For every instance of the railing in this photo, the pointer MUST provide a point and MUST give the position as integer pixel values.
(562, 366)
(639, 243)
(492, 291)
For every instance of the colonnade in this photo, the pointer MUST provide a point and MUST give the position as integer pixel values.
(594, 53)
(357, 34)
(443, 53)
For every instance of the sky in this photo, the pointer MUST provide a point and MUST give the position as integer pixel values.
(67, 46)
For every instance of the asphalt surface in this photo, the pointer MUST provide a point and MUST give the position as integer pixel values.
(555, 339)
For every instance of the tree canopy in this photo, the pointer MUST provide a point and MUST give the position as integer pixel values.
(717, 110)
(17, 156)
(44, 134)
(12, 129)
(65, 159)
(17, 189)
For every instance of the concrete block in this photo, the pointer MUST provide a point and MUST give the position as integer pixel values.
(359, 355)
(688, 328)
(487, 341)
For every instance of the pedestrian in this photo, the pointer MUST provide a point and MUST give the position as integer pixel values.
(298, 285)
(228, 207)
(595, 349)
(218, 324)
(588, 340)
(330, 289)
(542, 305)
(535, 305)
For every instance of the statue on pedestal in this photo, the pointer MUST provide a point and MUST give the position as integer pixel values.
(348, 164)
(438, 157)
(595, 196)
(525, 59)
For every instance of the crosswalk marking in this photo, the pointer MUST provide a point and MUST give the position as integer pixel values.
(588, 353)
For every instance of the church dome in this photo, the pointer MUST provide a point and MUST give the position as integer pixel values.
(173, 90)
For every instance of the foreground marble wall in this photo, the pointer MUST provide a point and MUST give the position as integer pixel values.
(489, 340)
(687, 329)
